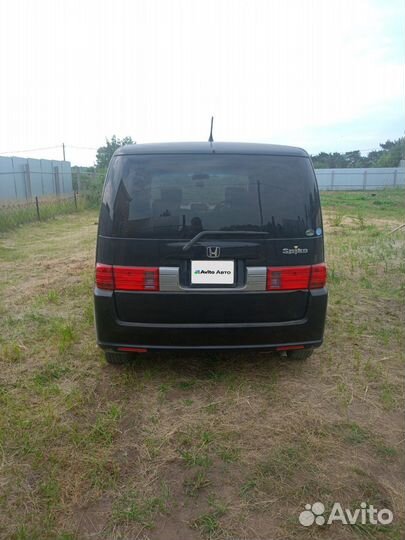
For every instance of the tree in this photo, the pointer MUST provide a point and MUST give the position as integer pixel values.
(389, 156)
(354, 159)
(105, 153)
(393, 152)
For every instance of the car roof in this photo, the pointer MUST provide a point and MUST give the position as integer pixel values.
(211, 148)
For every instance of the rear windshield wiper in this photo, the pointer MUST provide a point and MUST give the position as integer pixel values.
(195, 238)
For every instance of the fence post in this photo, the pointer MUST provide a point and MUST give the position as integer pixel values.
(74, 195)
(332, 184)
(37, 206)
(62, 176)
(79, 187)
(28, 190)
(395, 177)
(365, 180)
(42, 179)
(56, 180)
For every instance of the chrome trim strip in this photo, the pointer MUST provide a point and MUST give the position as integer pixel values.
(256, 278)
(102, 292)
(169, 279)
(255, 281)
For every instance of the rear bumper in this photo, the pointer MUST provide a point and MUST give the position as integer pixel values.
(113, 333)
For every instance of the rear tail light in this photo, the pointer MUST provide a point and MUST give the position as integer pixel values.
(127, 278)
(319, 274)
(279, 278)
(288, 278)
(104, 277)
(132, 278)
(293, 278)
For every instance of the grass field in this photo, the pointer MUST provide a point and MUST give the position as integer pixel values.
(200, 446)
(17, 213)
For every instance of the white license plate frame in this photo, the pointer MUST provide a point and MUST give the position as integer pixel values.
(213, 273)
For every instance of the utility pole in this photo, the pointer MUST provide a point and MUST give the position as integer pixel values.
(63, 148)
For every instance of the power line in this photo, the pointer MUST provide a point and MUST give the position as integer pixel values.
(30, 150)
(81, 147)
(49, 148)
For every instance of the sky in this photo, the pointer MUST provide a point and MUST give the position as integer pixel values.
(325, 75)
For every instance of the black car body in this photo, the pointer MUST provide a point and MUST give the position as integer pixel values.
(210, 246)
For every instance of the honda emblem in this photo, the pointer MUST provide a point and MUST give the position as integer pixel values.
(213, 252)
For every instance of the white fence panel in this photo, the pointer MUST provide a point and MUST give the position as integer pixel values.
(23, 179)
(360, 179)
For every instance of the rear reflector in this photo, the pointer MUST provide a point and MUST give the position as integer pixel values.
(132, 349)
(127, 278)
(289, 347)
(293, 278)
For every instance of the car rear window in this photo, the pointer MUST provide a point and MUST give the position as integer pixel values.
(178, 196)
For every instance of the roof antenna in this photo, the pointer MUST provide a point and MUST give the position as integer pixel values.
(211, 139)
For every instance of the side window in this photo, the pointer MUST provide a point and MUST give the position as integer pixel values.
(108, 197)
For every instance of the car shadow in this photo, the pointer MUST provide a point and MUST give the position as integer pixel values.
(204, 365)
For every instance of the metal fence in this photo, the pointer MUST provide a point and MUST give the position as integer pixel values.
(360, 179)
(328, 179)
(82, 176)
(15, 213)
(23, 179)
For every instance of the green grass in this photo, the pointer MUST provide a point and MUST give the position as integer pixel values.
(20, 213)
(278, 471)
(208, 524)
(194, 458)
(196, 483)
(105, 426)
(132, 507)
(199, 447)
(384, 451)
(50, 373)
(352, 433)
(386, 203)
(229, 454)
(11, 352)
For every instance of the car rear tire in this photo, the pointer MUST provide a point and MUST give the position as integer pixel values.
(301, 354)
(116, 358)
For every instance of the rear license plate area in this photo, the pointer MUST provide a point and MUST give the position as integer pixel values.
(212, 272)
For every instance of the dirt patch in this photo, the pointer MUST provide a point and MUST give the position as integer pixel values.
(92, 520)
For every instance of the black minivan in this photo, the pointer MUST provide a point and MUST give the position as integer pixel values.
(210, 246)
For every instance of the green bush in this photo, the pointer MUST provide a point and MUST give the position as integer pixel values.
(91, 187)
